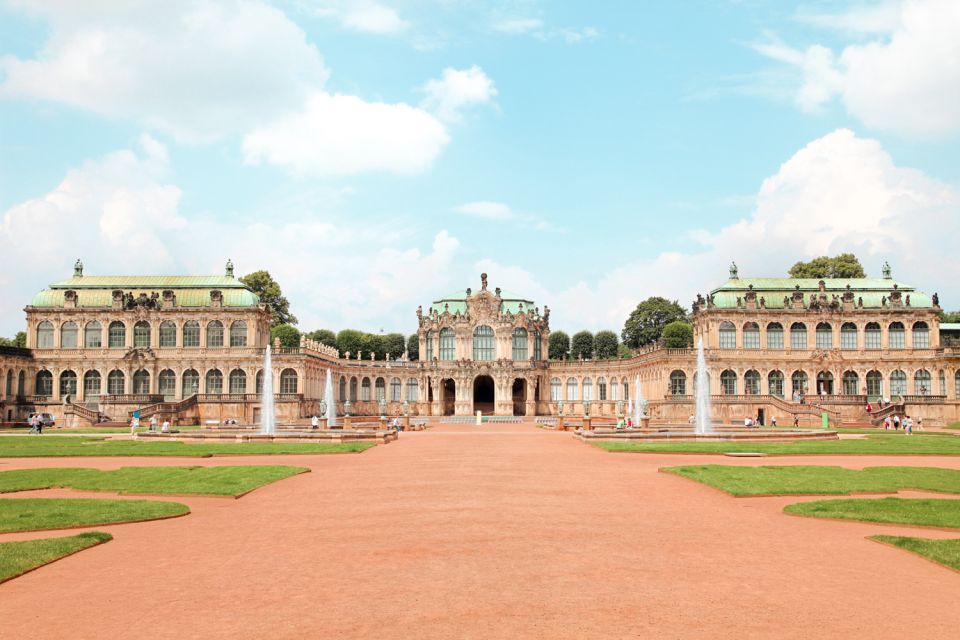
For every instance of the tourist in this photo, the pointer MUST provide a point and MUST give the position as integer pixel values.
(919, 423)
(773, 421)
(896, 423)
(691, 419)
(39, 423)
(31, 420)
(620, 423)
(134, 425)
(748, 421)
(629, 422)
(796, 420)
(153, 423)
(165, 427)
(314, 422)
(869, 408)
(909, 426)
(886, 423)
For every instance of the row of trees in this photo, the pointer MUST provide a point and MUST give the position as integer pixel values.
(20, 340)
(353, 341)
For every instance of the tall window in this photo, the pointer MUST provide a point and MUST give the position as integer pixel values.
(429, 346)
(68, 335)
(537, 347)
(956, 384)
(395, 389)
(519, 343)
(288, 381)
(93, 335)
(141, 382)
(851, 383)
(353, 389)
(68, 384)
(365, 390)
(483, 343)
(824, 336)
(343, 389)
(258, 382)
(191, 383)
(214, 382)
(728, 383)
(751, 382)
(45, 336)
(895, 337)
(614, 389)
(44, 383)
(381, 389)
(168, 334)
(921, 382)
(943, 383)
(238, 381)
(774, 335)
(798, 336)
(848, 336)
(116, 383)
(448, 347)
(238, 334)
(678, 383)
(626, 389)
(799, 382)
(167, 384)
(191, 333)
(587, 389)
(871, 336)
(141, 334)
(825, 383)
(555, 388)
(728, 335)
(921, 335)
(215, 334)
(751, 336)
(117, 335)
(571, 388)
(91, 385)
(775, 383)
(413, 390)
(601, 388)
(898, 383)
(9, 387)
(874, 384)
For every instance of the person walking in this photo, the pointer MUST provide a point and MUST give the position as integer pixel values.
(165, 427)
(31, 420)
(153, 423)
(773, 421)
(908, 425)
(896, 423)
(919, 423)
(886, 423)
(134, 423)
(39, 424)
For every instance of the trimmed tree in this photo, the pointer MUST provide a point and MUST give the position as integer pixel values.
(678, 335)
(582, 345)
(288, 335)
(373, 343)
(558, 345)
(394, 344)
(413, 347)
(269, 291)
(349, 341)
(646, 322)
(605, 345)
(845, 265)
(324, 336)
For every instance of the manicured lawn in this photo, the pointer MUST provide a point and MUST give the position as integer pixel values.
(801, 479)
(874, 444)
(219, 481)
(40, 446)
(34, 514)
(109, 430)
(953, 425)
(945, 552)
(929, 512)
(16, 558)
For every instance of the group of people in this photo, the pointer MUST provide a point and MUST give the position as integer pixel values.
(626, 422)
(36, 423)
(881, 403)
(135, 424)
(906, 422)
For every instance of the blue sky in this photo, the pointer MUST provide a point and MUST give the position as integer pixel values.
(373, 155)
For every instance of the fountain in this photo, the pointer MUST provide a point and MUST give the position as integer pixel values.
(640, 406)
(268, 419)
(328, 398)
(702, 417)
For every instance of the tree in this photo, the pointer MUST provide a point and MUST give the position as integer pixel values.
(678, 335)
(349, 341)
(288, 334)
(324, 336)
(20, 340)
(269, 291)
(582, 345)
(945, 316)
(845, 265)
(605, 345)
(394, 344)
(413, 347)
(373, 343)
(558, 345)
(646, 322)
(623, 351)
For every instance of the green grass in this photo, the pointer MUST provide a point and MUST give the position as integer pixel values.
(218, 481)
(40, 446)
(17, 558)
(927, 512)
(874, 444)
(953, 425)
(800, 480)
(945, 552)
(35, 514)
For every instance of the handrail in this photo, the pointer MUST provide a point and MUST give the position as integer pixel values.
(84, 412)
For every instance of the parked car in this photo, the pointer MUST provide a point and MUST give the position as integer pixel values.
(46, 419)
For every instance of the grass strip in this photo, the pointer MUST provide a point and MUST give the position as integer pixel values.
(40, 446)
(216, 481)
(35, 514)
(926, 512)
(815, 480)
(873, 444)
(945, 552)
(17, 558)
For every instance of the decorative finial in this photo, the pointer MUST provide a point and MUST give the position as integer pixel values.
(77, 268)
(483, 282)
(886, 270)
(229, 268)
(733, 271)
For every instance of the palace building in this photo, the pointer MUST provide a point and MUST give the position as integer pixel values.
(192, 349)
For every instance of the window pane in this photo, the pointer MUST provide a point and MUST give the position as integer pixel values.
(168, 334)
(141, 335)
(448, 349)
(191, 334)
(215, 334)
(751, 336)
(798, 336)
(93, 335)
(824, 336)
(238, 334)
(483, 343)
(117, 335)
(848, 336)
(68, 335)
(519, 344)
(728, 336)
(871, 336)
(896, 337)
(774, 336)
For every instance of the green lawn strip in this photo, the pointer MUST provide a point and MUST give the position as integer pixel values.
(17, 558)
(873, 444)
(953, 425)
(945, 552)
(815, 480)
(217, 481)
(924, 512)
(35, 514)
(40, 446)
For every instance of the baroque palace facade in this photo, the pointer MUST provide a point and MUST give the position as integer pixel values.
(192, 348)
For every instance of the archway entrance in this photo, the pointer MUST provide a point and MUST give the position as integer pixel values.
(483, 395)
(449, 397)
(519, 397)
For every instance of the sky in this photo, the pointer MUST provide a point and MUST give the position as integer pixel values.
(375, 155)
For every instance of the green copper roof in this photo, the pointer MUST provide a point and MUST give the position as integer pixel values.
(773, 290)
(191, 291)
(458, 302)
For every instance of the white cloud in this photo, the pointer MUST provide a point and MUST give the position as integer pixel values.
(907, 80)
(486, 209)
(536, 28)
(518, 25)
(362, 15)
(456, 90)
(343, 135)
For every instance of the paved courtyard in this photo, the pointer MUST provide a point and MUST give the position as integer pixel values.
(500, 531)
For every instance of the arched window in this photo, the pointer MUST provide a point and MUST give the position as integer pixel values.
(238, 334)
(775, 383)
(68, 335)
(343, 389)
(824, 336)
(9, 387)
(751, 382)
(258, 382)
(678, 383)
(44, 382)
(45, 336)
(921, 335)
(874, 385)
(519, 343)
(848, 336)
(91, 385)
(728, 383)
(288, 381)
(21, 383)
(191, 383)
(774, 335)
(871, 336)
(214, 381)
(365, 390)
(614, 389)
(483, 343)
(116, 383)
(353, 389)
(537, 346)
(626, 389)
(117, 335)
(799, 383)
(587, 389)
(191, 333)
(921, 382)
(728, 335)
(395, 387)
(167, 384)
(93, 335)
(943, 383)
(895, 337)
(215, 334)
(238, 381)
(141, 382)
(429, 341)
(751, 335)
(141, 334)
(572, 389)
(601, 388)
(898, 383)
(168, 334)
(851, 383)
(68, 384)
(555, 388)
(798, 336)
(380, 388)
(448, 346)
(956, 384)
(413, 390)
(825, 383)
